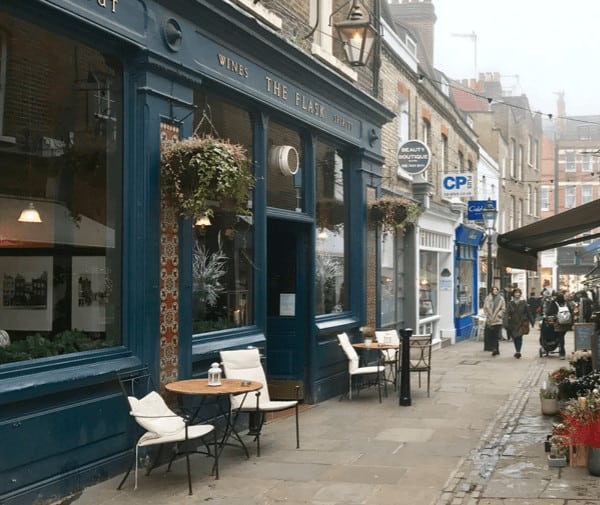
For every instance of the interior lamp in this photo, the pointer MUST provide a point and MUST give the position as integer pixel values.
(357, 35)
(203, 221)
(30, 215)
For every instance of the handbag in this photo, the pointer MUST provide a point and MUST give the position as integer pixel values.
(525, 328)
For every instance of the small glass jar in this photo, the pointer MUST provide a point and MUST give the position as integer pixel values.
(214, 375)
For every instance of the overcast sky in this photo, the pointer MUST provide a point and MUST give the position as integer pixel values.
(539, 47)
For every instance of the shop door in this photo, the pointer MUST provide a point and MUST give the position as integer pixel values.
(287, 289)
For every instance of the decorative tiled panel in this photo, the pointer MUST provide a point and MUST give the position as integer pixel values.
(169, 277)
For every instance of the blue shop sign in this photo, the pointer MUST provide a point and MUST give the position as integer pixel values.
(475, 207)
(468, 236)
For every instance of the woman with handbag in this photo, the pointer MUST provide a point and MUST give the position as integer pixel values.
(493, 308)
(519, 320)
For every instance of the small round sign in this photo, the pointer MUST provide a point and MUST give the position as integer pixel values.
(414, 157)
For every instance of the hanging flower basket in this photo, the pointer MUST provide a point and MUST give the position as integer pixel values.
(203, 169)
(394, 214)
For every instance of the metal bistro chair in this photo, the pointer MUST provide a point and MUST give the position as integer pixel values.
(390, 356)
(420, 348)
(245, 364)
(356, 371)
(161, 425)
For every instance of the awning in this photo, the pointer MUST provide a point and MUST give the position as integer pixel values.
(519, 248)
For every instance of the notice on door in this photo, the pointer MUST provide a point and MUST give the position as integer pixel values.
(287, 304)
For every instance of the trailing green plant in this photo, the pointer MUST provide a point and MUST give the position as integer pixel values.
(395, 214)
(202, 169)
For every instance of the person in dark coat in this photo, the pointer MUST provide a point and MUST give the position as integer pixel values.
(518, 315)
(560, 329)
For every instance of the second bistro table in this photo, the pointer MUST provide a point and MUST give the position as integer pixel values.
(200, 387)
(380, 346)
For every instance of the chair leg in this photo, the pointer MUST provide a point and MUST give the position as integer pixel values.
(379, 385)
(350, 387)
(127, 473)
(297, 430)
(428, 381)
(216, 465)
(189, 472)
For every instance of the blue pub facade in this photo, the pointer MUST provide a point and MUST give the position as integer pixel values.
(101, 274)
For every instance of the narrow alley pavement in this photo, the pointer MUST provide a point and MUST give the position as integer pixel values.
(478, 440)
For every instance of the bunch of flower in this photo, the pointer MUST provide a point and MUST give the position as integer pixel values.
(581, 418)
(562, 374)
(560, 439)
(580, 355)
(588, 383)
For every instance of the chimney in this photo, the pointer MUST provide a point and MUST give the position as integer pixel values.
(419, 15)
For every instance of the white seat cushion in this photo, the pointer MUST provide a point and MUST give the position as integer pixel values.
(152, 414)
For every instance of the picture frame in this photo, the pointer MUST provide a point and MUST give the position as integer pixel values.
(88, 293)
(26, 295)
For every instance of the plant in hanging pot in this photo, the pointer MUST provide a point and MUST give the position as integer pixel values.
(394, 214)
(201, 170)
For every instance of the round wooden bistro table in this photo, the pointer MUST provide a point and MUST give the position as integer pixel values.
(228, 387)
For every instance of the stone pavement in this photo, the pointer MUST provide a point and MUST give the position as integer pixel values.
(478, 440)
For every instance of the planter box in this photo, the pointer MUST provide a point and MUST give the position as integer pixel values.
(557, 462)
(578, 456)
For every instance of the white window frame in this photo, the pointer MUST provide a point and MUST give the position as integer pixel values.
(570, 196)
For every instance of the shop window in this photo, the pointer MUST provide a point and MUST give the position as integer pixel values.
(60, 208)
(465, 269)
(392, 279)
(428, 281)
(330, 254)
(223, 252)
(284, 172)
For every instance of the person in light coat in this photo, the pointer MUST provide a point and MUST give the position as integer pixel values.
(494, 307)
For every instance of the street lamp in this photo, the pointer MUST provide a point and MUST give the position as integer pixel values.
(357, 35)
(489, 214)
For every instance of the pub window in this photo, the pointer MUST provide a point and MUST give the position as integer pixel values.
(60, 207)
(223, 252)
(331, 294)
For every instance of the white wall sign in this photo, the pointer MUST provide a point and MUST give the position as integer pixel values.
(457, 185)
(287, 304)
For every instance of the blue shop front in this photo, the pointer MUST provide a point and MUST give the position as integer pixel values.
(101, 274)
(466, 254)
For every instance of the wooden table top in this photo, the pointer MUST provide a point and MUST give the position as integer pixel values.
(201, 387)
(377, 346)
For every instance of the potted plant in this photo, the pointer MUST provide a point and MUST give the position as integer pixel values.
(581, 418)
(204, 171)
(549, 397)
(559, 446)
(395, 214)
(565, 380)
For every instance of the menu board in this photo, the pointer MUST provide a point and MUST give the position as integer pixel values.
(583, 335)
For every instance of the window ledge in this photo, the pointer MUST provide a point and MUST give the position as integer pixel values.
(331, 61)
(264, 14)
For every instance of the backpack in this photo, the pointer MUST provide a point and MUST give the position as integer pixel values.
(563, 316)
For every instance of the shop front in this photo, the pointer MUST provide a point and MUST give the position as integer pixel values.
(100, 273)
(467, 242)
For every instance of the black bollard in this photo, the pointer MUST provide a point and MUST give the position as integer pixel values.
(405, 399)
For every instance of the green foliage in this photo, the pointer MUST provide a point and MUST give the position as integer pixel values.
(395, 214)
(198, 170)
(39, 346)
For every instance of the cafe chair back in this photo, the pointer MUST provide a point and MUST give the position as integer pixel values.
(420, 347)
(360, 376)
(245, 364)
(159, 425)
(390, 356)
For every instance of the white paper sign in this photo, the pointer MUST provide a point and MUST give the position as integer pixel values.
(287, 304)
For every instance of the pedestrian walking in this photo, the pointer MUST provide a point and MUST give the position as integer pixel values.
(494, 308)
(562, 315)
(519, 320)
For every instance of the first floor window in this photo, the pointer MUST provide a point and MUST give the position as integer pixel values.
(61, 201)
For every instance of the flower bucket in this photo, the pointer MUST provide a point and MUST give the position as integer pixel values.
(578, 456)
(593, 462)
(549, 406)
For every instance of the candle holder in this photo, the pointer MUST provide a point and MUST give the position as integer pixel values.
(214, 375)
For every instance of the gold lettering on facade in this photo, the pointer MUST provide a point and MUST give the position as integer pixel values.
(276, 88)
(113, 3)
(233, 66)
(340, 121)
(311, 106)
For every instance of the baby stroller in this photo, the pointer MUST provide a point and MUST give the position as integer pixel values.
(548, 339)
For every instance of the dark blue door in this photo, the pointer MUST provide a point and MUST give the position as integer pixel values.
(287, 288)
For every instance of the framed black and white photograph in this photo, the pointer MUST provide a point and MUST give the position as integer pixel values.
(26, 297)
(89, 293)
